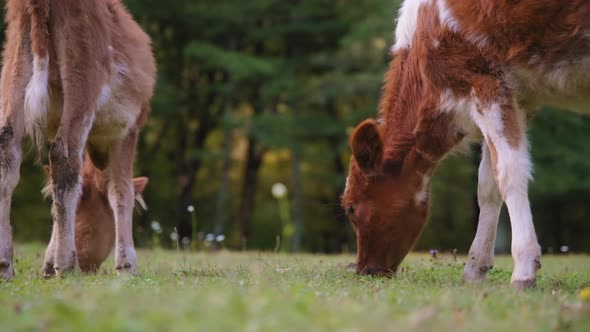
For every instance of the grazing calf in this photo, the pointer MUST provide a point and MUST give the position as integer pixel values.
(464, 70)
(95, 222)
(79, 73)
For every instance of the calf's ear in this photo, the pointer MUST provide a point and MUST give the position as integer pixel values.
(139, 184)
(367, 146)
(47, 171)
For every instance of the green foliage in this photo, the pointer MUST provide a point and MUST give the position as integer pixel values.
(292, 78)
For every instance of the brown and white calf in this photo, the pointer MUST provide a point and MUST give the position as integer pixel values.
(79, 73)
(464, 70)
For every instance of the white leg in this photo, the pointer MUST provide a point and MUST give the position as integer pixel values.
(49, 260)
(121, 198)
(10, 159)
(503, 127)
(16, 72)
(66, 185)
(481, 254)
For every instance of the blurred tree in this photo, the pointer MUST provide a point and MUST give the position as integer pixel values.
(251, 93)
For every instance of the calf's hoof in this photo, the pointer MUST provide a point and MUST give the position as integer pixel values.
(522, 285)
(476, 274)
(48, 271)
(6, 270)
(126, 268)
(126, 261)
(61, 271)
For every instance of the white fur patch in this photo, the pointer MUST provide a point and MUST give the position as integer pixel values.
(141, 202)
(446, 16)
(422, 195)
(37, 100)
(406, 23)
(105, 95)
(461, 110)
(513, 166)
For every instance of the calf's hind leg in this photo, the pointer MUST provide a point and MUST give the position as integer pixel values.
(481, 254)
(121, 199)
(503, 127)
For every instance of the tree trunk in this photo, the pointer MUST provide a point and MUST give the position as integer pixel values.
(187, 170)
(254, 156)
(297, 200)
(220, 215)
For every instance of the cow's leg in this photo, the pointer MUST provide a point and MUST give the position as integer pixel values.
(16, 73)
(481, 254)
(48, 262)
(503, 127)
(121, 199)
(10, 159)
(65, 158)
(81, 78)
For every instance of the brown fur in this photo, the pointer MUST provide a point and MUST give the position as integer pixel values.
(100, 78)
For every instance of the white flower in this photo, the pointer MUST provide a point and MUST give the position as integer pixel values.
(190, 208)
(186, 241)
(210, 237)
(564, 248)
(220, 238)
(279, 190)
(174, 236)
(156, 227)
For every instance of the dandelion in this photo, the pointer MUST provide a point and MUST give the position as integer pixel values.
(220, 238)
(564, 249)
(157, 230)
(191, 210)
(279, 190)
(174, 238)
(210, 237)
(185, 241)
(156, 227)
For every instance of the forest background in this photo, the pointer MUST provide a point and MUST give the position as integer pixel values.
(258, 92)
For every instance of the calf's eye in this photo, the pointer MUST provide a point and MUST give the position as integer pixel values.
(350, 210)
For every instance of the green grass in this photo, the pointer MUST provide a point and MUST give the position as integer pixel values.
(276, 292)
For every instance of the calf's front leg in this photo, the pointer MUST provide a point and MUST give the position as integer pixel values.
(16, 73)
(503, 127)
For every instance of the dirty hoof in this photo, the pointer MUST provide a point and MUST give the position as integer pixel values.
(61, 271)
(474, 274)
(521, 285)
(6, 270)
(48, 271)
(126, 268)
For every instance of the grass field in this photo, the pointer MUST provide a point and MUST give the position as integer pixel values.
(274, 292)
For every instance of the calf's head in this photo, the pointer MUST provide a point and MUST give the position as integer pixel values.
(386, 198)
(95, 221)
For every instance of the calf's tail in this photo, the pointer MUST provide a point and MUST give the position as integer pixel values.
(37, 92)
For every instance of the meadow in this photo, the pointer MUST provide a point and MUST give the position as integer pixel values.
(258, 291)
